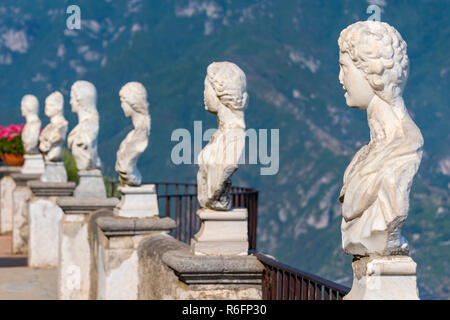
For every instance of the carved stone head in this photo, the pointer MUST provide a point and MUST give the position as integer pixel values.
(83, 97)
(226, 85)
(29, 105)
(373, 62)
(133, 97)
(54, 104)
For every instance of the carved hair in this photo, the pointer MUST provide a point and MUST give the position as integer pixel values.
(136, 95)
(230, 84)
(86, 93)
(378, 50)
(57, 99)
(31, 103)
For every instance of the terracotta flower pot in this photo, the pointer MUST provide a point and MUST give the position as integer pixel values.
(12, 160)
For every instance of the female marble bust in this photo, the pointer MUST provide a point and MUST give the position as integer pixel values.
(52, 138)
(225, 96)
(82, 139)
(30, 134)
(133, 97)
(374, 69)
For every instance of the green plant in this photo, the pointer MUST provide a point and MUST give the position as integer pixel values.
(11, 140)
(71, 166)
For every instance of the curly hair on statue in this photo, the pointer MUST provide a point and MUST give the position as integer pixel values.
(230, 84)
(378, 50)
(136, 95)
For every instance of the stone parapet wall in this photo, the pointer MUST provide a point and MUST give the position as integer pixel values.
(168, 270)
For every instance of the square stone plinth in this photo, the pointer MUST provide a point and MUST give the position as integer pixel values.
(384, 278)
(138, 202)
(91, 185)
(221, 233)
(34, 164)
(54, 172)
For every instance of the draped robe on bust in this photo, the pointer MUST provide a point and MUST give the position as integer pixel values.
(376, 189)
(218, 161)
(52, 140)
(82, 142)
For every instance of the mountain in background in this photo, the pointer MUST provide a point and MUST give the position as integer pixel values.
(288, 49)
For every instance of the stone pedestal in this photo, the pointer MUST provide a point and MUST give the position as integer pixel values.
(138, 202)
(21, 199)
(384, 278)
(20, 233)
(169, 270)
(34, 164)
(221, 233)
(117, 260)
(54, 172)
(7, 187)
(75, 261)
(44, 222)
(91, 185)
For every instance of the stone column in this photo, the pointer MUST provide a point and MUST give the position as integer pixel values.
(44, 222)
(7, 186)
(75, 263)
(117, 259)
(21, 197)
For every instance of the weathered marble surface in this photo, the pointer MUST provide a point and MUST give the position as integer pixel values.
(169, 270)
(7, 187)
(221, 233)
(22, 196)
(45, 222)
(30, 133)
(375, 193)
(34, 164)
(52, 138)
(384, 278)
(75, 260)
(138, 202)
(91, 184)
(117, 257)
(44, 227)
(135, 106)
(226, 96)
(54, 172)
(82, 140)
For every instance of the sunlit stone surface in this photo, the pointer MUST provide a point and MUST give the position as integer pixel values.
(375, 194)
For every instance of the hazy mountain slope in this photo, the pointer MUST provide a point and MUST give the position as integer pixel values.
(288, 50)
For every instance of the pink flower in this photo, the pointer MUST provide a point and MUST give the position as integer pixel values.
(14, 128)
(12, 135)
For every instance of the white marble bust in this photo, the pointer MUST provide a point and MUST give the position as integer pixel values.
(133, 97)
(52, 138)
(31, 130)
(225, 96)
(375, 194)
(82, 139)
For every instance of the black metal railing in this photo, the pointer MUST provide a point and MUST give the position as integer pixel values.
(179, 202)
(282, 282)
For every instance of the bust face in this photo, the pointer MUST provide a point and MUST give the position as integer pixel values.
(74, 101)
(27, 106)
(359, 93)
(210, 98)
(23, 109)
(51, 109)
(127, 109)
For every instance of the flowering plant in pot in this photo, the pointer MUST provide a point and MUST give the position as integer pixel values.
(11, 147)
